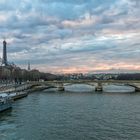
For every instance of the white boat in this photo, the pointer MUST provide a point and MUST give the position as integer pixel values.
(5, 102)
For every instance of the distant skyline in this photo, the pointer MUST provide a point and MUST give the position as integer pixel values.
(72, 36)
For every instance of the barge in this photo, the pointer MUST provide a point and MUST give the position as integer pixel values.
(5, 102)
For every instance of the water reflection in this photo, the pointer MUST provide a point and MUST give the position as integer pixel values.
(7, 124)
(118, 89)
(5, 114)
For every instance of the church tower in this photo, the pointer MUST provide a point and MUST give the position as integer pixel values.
(29, 68)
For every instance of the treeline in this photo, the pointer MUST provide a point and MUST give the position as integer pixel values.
(18, 75)
(135, 76)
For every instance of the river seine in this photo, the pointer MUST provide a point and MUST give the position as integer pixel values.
(72, 115)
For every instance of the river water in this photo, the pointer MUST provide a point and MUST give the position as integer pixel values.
(72, 115)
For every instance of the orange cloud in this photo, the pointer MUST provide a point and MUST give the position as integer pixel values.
(95, 68)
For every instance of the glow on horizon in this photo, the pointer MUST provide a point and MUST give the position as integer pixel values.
(101, 68)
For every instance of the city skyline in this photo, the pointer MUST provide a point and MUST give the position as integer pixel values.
(72, 36)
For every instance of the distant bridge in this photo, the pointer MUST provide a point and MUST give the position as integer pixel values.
(97, 83)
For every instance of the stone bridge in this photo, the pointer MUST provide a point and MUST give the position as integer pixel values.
(60, 85)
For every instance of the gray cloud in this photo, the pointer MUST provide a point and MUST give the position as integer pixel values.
(76, 33)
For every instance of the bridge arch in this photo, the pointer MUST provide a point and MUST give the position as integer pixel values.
(78, 87)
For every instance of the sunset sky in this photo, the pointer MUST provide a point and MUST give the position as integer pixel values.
(66, 36)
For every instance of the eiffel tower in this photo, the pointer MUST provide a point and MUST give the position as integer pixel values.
(4, 59)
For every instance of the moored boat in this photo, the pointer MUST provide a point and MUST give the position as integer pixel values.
(5, 102)
(18, 95)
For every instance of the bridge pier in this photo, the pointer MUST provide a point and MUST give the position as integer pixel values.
(137, 89)
(61, 87)
(99, 87)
